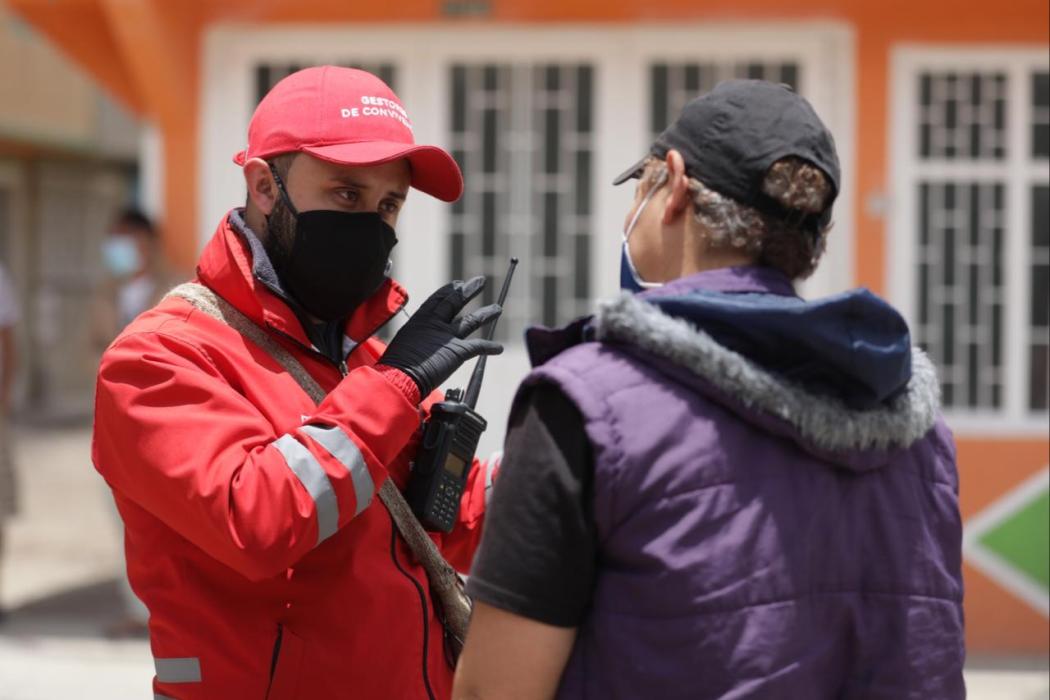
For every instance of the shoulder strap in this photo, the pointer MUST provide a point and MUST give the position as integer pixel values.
(204, 299)
(443, 578)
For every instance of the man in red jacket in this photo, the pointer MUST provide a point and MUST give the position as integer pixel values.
(253, 535)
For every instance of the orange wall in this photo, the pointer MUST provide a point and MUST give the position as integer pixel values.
(995, 619)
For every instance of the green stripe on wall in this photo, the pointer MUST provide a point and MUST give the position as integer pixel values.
(1023, 540)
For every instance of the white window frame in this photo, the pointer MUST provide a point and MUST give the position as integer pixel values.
(1018, 171)
(621, 56)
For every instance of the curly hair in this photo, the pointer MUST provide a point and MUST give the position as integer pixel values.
(793, 183)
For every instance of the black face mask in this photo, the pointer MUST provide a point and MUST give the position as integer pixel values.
(333, 260)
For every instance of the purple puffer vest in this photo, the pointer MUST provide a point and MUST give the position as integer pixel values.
(753, 543)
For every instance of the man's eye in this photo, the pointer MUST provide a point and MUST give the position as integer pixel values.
(348, 195)
(390, 207)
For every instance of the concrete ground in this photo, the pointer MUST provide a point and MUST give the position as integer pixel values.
(58, 584)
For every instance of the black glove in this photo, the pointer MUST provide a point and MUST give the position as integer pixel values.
(433, 344)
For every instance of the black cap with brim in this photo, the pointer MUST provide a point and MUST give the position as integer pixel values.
(731, 136)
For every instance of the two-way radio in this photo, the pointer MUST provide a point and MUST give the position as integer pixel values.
(450, 439)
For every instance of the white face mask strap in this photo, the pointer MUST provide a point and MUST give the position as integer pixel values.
(660, 180)
(657, 184)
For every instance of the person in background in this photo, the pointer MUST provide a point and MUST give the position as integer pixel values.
(714, 488)
(136, 277)
(9, 316)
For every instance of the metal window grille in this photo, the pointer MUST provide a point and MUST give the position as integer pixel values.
(523, 137)
(973, 176)
(1041, 114)
(962, 115)
(961, 295)
(673, 85)
(962, 222)
(268, 74)
(1039, 338)
(1039, 344)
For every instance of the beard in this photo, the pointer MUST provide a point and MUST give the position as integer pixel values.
(280, 235)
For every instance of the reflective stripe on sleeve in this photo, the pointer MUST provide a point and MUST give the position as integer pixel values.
(185, 670)
(313, 478)
(158, 696)
(347, 453)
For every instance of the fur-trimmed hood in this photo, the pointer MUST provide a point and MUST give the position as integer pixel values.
(836, 375)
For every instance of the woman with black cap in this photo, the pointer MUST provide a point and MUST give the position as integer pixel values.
(713, 488)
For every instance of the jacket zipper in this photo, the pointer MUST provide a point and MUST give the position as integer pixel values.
(343, 370)
(423, 604)
(341, 365)
(275, 657)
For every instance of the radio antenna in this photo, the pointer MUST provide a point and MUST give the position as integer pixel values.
(470, 398)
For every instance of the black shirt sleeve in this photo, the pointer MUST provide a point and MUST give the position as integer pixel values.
(538, 551)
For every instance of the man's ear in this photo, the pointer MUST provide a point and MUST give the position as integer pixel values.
(262, 190)
(678, 199)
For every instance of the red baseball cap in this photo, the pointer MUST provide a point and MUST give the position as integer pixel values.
(350, 117)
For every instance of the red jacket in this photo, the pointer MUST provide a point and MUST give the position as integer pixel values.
(252, 534)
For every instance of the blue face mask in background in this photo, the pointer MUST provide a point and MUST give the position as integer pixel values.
(121, 256)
